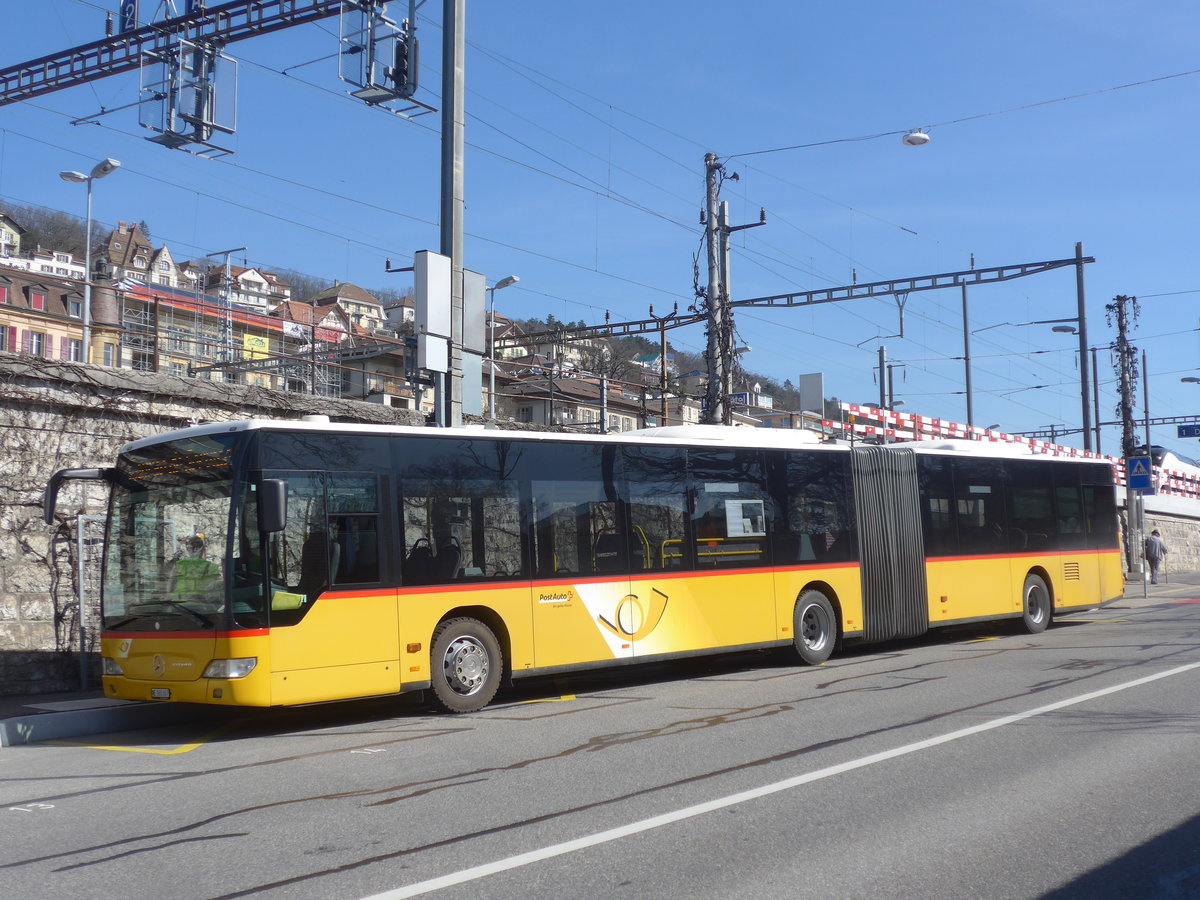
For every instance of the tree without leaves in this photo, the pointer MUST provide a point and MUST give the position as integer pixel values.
(50, 229)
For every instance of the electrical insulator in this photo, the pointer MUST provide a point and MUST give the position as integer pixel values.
(404, 73)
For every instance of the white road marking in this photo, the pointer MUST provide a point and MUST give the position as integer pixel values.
(602, 837)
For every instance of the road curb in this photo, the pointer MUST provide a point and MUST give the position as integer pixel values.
(53, 726)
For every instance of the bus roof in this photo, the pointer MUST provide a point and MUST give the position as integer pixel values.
(675, 435)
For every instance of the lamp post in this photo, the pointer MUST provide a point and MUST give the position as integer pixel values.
(102, 168)
(507, 281)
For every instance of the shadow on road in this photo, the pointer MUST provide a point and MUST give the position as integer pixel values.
(1165, 868)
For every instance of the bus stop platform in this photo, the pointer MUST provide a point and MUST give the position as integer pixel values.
(29, 718)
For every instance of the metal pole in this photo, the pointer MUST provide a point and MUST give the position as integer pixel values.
(603, 403)
(1096, 398)
(1141, 506)
(1081, 306)
(454, 15)
(1146, 402)
(80, 540)
(714, 403)
(967, 351)
(87, 279)
(491, 323)
(883, 377)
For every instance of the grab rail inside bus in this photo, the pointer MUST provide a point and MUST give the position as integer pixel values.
(50, 498)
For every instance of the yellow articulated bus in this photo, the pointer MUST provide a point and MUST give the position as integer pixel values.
(266, 563)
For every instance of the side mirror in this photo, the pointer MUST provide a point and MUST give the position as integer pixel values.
(272, 504)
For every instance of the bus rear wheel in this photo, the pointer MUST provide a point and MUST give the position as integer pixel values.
(465, 665)
(814, 627)
(1036, 608)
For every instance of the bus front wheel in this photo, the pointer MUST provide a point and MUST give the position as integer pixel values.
(814, 626)
(465, 665)
(1036, 607)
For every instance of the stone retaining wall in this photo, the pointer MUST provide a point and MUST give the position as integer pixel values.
(65, 415)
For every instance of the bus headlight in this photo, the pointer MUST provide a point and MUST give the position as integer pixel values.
(230, 668)
(110, 666)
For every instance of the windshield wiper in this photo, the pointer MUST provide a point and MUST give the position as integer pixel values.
(168, 604)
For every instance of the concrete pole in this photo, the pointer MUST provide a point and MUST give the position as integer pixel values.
(726, 341)
(714, 403)
(454, 20)
(662, 371)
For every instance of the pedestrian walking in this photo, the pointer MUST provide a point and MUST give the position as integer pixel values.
(1156, 554)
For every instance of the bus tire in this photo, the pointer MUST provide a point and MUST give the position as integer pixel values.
(1036, 608)
(814, 627)
(466, 664)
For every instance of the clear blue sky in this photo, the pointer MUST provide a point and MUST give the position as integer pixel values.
(587, 128)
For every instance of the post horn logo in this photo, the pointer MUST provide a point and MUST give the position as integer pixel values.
(159, 665)
(631, 620)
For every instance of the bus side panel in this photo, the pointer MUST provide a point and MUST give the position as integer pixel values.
(1112, 575)
(503, 606)
(845, 582)
(585, 621)
(972, 587)
(1075, 579)
(347, 646)
(677, 613)
(1089, 578)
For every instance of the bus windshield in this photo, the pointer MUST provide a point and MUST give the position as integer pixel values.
(165, 563)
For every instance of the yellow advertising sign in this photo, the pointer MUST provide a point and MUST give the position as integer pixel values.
(255, 346)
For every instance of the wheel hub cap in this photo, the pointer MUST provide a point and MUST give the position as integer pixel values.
(465, 665)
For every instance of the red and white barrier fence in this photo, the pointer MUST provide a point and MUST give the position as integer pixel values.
(886, 424)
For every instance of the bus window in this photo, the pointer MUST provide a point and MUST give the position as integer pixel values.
(1100, 514)
(459, 530)
(1068, 508)
(979, 487)
(577, 526)
(1031, 521)
(655, 481)
(815, 504)
(460, 510)
(302, 559)
(576, 530)
(937, 506)
(353, 501)
(729, 513)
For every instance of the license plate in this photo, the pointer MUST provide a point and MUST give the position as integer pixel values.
(160, 693)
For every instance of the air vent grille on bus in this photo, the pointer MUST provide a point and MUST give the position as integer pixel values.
(1071, 571)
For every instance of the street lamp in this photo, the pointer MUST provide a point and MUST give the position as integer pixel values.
(507, 281)
(1190, 379)
(102, 168)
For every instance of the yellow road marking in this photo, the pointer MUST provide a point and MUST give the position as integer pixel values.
(561, 699)
(175, 751)
(982, 639)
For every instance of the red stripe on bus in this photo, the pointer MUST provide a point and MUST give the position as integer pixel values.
(181, 635)
(1030, 555)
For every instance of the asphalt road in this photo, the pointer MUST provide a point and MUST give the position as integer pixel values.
(974, 763)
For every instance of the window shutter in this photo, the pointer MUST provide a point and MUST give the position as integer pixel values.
(26, 340)
(64, 348)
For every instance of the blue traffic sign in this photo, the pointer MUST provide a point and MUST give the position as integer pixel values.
(1139, 474)
(1188, 431)
(128, 12)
